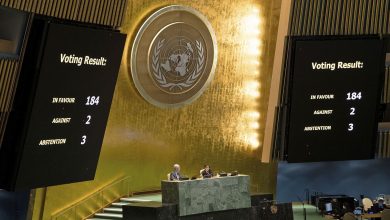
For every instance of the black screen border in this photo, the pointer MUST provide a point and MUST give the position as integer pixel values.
(289, 75)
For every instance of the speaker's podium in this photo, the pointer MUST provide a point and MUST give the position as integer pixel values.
(225, 197)
(207, 195)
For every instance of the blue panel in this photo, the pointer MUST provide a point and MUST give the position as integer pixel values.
(13, 205)
(353, 178)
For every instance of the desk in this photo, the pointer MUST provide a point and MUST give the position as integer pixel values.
(368, 216)
(361, 217)
(207, 195)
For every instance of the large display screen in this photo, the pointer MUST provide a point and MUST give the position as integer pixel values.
(76, 73)
(333, 98)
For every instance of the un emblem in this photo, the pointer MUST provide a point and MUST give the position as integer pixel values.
(173, 57)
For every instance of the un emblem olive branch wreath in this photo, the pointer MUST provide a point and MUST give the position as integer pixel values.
(161, 79)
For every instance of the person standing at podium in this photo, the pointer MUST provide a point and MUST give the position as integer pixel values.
(175, 175)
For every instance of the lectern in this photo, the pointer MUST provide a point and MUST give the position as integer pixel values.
(207, 195)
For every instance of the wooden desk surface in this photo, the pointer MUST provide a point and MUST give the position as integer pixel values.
(364, 216)
(376, 215)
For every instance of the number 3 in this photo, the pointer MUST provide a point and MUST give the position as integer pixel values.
(83, 139)
(350, 127)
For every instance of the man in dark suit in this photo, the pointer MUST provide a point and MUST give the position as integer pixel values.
(379, 205)
(206, 172)
(175, 175)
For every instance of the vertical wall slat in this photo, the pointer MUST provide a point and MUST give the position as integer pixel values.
(381, 16)
(338, 12)
(377, 16)
(358, 16)
(296, 17)
(67, 10)
(364, 15)
(372, 17)
(76, 10)
(34, 6)
(343, 18)
(354, 16)
(385, 17)
(114, 7)
(122, 12)
(326, 20)
(314, 22)
(117, 14)
(99, 12)
(88, 11)
(108, 7)
(334, 16)
(3, 76)
(29, 5)
(81, 12)
(93, 9)
(349, 17)
(376, 13)
(7, 80)
(63, 8)
(306, 22)
(104, 12)
(54, 8)
(4, 85)
(369, 17)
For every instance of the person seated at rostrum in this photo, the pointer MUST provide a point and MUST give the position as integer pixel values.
(206, 172)
(379, 205)
(175, 174)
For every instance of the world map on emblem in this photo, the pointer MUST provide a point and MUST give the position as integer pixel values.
(180, 59)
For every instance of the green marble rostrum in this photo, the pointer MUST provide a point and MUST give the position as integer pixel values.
(207, 195)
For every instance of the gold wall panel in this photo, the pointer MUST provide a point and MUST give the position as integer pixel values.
(223, 128)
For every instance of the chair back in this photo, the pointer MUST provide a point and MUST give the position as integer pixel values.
(367, 204)
(386, 214)
(349, 216)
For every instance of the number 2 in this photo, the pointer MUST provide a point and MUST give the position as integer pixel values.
(88, 120)
(352, 111)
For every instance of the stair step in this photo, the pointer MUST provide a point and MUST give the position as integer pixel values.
(112, 209)
(109, 215)
(135, 200)
(120, 204)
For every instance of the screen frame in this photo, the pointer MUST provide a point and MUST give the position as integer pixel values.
(289, 76)
(12, 148)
